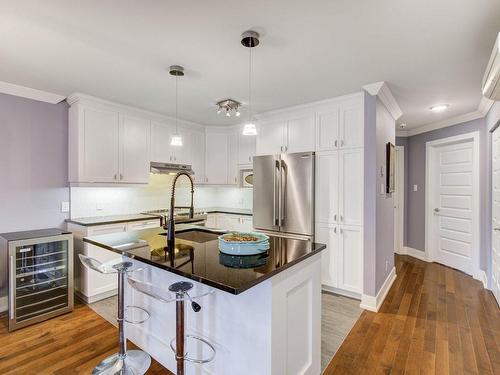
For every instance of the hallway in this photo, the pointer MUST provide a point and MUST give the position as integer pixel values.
(435, 320)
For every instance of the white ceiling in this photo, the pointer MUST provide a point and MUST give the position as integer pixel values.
(428, 51)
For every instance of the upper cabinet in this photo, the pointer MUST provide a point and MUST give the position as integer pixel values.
(299, 133)
(340, 125)
(134, 138)
(107, 147)
(232, 160)
(330, 125)
(162, 151)
(270, 137)
(216, 157)
(198, 156)
(246, 148)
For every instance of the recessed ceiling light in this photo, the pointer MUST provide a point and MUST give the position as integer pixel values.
(439, 107)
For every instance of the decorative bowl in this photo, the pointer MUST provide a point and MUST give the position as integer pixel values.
(258, 246)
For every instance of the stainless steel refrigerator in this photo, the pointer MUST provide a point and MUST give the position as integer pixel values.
(283, 193)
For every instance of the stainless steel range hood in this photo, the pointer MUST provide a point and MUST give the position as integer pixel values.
(168, 168)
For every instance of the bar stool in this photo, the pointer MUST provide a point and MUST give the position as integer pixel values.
(178, 292)
(125, 362)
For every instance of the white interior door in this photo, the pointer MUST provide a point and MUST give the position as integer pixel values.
(453, 204)
(495, 254)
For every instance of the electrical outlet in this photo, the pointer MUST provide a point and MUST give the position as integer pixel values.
(415, 187)
(382, 189)
(64, 206)
(386, 265)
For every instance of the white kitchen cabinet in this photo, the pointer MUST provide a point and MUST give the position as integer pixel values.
(299, 133)
(134, 138)
(232, 222)
(350, 258)
(246, 148)
(162, 151)
(327, 128)
(351, 124)
(93, 145)
(342, 260)
(291, 133)
(145, 224)
(270, 137)
(329, 235)
(198, 156)
(216, 156)
(351, 188)
(327, 187)
(232, 160)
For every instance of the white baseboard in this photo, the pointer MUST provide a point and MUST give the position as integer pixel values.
(373, 303)
(481, 275)
(96, 297)
(419, 254)
(342, 292)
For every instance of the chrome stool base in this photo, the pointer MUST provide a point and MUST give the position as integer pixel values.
(134, 362)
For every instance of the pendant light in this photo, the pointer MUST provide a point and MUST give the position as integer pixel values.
(250, 39)
(176, 71)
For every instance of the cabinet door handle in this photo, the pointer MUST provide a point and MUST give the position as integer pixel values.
(341, 218)
(115, 176)
(335, 143)
(342, 143)
(335, 230)
(249, 158)
(12, 306)
(281, 148)
(121, 176)
(235, 179)
(286, 148)
(335, 217)
(341, 231)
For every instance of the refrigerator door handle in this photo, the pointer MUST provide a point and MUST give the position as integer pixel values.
(283, 192)
(276, 191)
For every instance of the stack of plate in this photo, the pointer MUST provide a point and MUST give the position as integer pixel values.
(260, 245)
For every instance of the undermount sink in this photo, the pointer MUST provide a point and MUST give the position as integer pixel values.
(195, 235)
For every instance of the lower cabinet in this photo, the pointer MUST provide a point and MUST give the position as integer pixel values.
(240, 223)
(92, 286)
(342, 261)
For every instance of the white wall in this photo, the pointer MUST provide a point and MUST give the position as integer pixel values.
(93, 201)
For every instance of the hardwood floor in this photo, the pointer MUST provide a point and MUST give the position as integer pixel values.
(69, 344)
(435, 320)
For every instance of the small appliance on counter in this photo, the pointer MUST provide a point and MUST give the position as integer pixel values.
(36, 275)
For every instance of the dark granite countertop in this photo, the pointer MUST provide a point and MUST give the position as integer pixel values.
(197, 255)
(115, 219)
(29, 234)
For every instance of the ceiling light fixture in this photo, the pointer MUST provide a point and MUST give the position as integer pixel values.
(176, 71)
(402, 125)
(229, 106)
(439, 107)
(250, 39)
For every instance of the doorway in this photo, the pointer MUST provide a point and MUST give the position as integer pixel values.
(495, 189)
(452, 202)
(399, 198)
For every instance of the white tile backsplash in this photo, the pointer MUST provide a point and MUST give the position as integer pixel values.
(105, 201)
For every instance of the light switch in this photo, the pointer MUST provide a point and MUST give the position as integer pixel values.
(64, 206)
(382, 189)
(415, 187)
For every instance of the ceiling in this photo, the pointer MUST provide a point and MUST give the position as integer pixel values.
(427, 51)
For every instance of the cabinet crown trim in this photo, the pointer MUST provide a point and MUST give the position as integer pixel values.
(382, 91)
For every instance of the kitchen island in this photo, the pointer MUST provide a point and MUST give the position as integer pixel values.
(263, 317)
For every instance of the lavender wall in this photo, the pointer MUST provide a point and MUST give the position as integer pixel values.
(415, 203)
(370, 191)
(386, 132)
(33, 163)
(378, 208)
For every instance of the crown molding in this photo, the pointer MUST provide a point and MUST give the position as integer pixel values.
(382, 91)
(402, 133)
(77, 97)
(29, 93)
(444, 123)
(485, 105)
